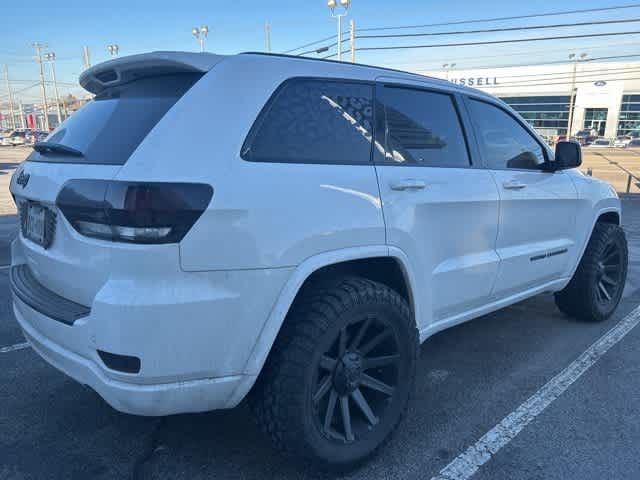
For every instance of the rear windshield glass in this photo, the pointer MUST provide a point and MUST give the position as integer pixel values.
(110, 127)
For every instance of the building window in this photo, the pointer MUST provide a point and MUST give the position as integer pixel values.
(548, 114)
(629, 119)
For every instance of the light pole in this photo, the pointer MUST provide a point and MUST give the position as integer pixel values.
(332, 6)
(572, 97)
(447, 67)
(51, 58)
(267, 36)
(12, 123)
(113, 49)
(45, 109)
(201, 35)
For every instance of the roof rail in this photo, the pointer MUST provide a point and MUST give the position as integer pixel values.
(297, 57)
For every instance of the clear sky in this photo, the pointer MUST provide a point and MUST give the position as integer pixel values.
(235, 26)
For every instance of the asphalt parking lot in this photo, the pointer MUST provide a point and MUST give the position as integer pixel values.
(470, 378)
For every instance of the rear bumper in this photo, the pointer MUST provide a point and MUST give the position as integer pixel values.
(193, 333)
(152, 400)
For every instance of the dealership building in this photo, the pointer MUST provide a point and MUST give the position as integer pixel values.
(606, 95)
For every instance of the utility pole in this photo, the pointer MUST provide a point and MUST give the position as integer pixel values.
(339, 37)
(39, 47)
(352, 40)
(22, 119)
(12, 113)
(267, 36)
(51, 58)
(86, 58)
(572, 97)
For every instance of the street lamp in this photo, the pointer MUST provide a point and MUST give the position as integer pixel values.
(113, 49)
(332, 6)
(575, 58)
(201, 35)
(51, 58)
(447, 67)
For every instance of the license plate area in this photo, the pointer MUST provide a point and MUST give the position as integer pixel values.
(37, 223)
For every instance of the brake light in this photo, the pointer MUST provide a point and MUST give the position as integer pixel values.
(135, 212)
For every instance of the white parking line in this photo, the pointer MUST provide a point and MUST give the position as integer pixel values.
(467, 463)
(11, 348)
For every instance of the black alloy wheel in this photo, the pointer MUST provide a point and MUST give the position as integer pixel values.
(609, 274)
(355, 379)
(340, 374)
(597, 286)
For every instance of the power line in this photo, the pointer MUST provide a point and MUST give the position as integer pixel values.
(461, 22)
(310, 44)
(530, 64)
(567, 77)
(21, 90)
(496, 19)
(514, 54)
(322, 49)
(557, 83)
(46, 81)
(496, 42)
(502, 29)
(491, 30)
(560, 74)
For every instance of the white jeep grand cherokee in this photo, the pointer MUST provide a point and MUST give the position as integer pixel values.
(316, 221)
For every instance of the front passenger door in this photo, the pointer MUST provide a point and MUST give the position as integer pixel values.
(536, 237)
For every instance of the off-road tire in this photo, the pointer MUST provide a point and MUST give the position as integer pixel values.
(579, 299)
(281, 399)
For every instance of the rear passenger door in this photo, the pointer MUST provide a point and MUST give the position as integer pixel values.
(439, 207)
(537, 208)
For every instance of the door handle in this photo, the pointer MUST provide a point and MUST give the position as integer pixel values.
(513, 185)
(408, 184)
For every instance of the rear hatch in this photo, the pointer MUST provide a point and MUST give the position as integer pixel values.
(79, 159)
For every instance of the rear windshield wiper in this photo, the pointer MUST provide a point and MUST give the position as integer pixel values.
(51, 147)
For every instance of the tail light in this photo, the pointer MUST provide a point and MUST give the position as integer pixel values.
(135, 212)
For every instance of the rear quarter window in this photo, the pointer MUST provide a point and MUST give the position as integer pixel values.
(314, 121)
(111, 126)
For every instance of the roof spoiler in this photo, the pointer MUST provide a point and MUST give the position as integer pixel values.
(125, 69)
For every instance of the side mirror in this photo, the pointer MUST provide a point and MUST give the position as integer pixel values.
(568, 155)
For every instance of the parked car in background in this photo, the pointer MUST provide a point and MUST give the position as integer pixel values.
(36, 136)
(18, 138)
(621, 141)
(15, 137)
(586, 136)
(601, 142)
(635, 143)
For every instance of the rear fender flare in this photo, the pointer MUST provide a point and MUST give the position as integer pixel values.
(288, 294)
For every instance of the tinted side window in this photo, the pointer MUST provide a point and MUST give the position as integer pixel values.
(314, 121)
(503, 141)
(422, 129)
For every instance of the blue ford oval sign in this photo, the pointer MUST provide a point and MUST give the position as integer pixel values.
(600, 83)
